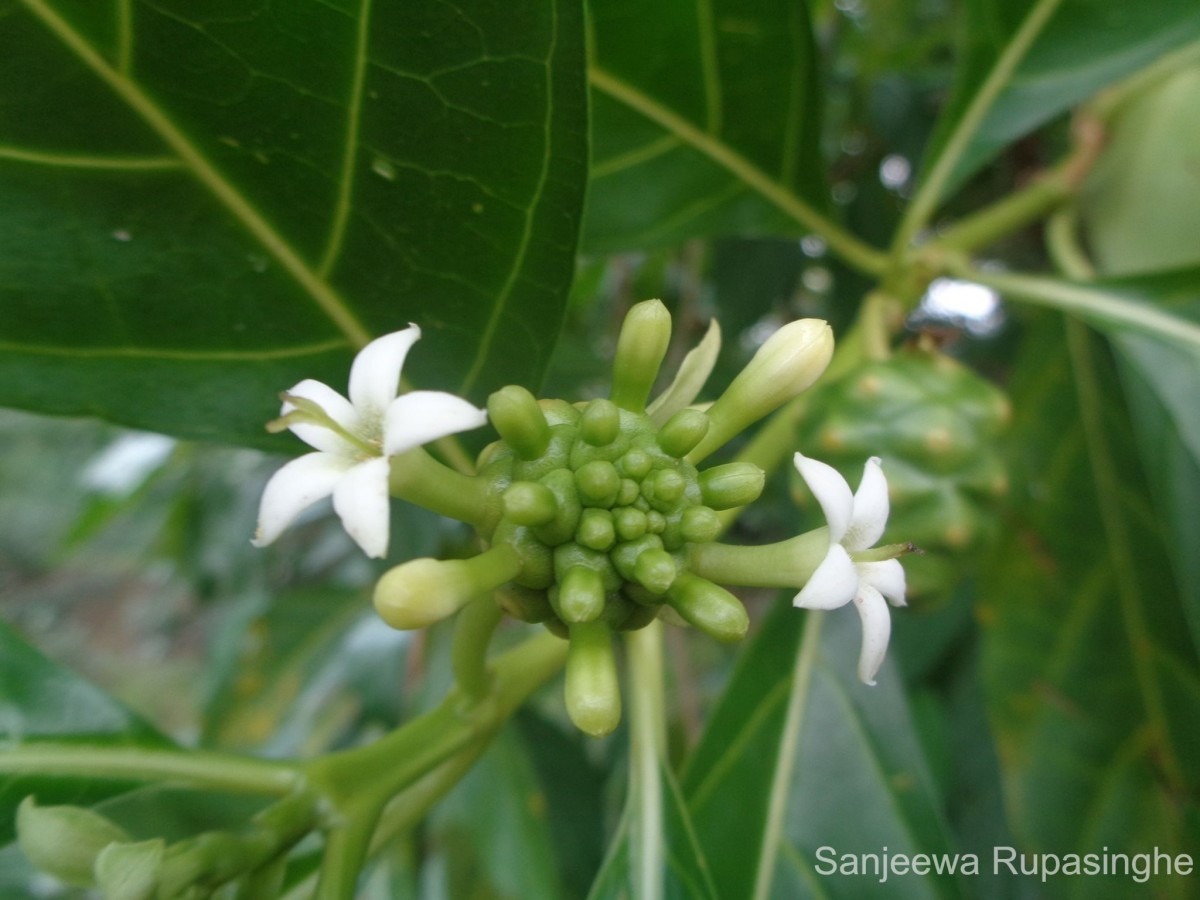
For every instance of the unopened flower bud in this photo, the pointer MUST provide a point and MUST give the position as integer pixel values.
(530, 503)
(64, 841)
(630, 523)
(731, 485)
(130, 871)
(683, 431)
(699, 524)
(788, 362)
(596, 531)
(709, 607)
(423, 591)
(598, 483)
(655, 570)
(600, 423)
(580, 595)
(519, 419)
(593, 696)
(641, 347)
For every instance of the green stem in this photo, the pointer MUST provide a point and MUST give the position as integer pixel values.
(647, 731)
(854, 251)
(930, 193)
(1096, 305)
(789, 748)
(1063, 243)
(344, 856)
(419, 478)
(1014, 212)
(373, 774)
(195, 768)
(786, 564)
(473, 631)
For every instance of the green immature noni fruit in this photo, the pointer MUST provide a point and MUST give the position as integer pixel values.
(591, 512)
(934, 422)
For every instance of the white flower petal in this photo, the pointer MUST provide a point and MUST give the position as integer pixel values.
(877, 630)
(419, 417)
(833, 584)
(294, 488)
(335, 406)
(361, 500)
(689, 380)
(870, 508)
(831, 491)
(375, 374)
(887, 577)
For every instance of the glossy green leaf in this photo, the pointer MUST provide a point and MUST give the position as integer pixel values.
(41, 701)
(205, 204)
(1154, 324)
(1092, 681)
(1084, 46)
(794, 762)
(705, 120)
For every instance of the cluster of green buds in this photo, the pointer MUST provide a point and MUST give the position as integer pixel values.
(595, 517)
(83, 848)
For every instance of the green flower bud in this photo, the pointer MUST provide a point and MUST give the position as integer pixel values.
(530, 503)
(593, 696)
(130, 871)
(628, 493)
(683, 432)
(664, 489)
(630, 523)
(423, 591)
(596, 529)
(710, 608)
(656, 522)
(731, 485)
(635, 464)
(562, 483)
(655, 570)
(598, 483)
(537, 566)
(600, 423)
(625, 556)
(580, 596)
(790, 360)
(641, 347)
(64, 841)
(515, 413)
(699, 524)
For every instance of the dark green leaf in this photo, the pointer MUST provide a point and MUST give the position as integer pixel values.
(689, 96)
(854, 779)
(1093, 682)
(41, 701)
(206, 204)
(1086, 45)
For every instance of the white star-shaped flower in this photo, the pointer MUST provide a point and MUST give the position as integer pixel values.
(354, 439)
(855, 522)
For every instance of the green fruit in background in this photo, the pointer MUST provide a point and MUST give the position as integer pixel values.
(1139, 202)
(935, 424)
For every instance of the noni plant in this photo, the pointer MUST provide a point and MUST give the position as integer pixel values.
(369, 532)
